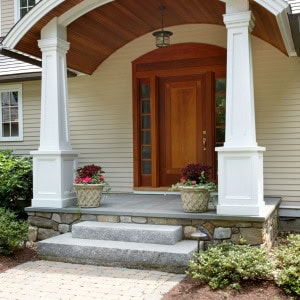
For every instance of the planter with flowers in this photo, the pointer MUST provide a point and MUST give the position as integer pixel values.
(89, 185)
(195, 187)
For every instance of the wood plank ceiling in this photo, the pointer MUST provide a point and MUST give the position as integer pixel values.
(100, 32)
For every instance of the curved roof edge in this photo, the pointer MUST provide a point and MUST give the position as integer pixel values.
(24, 24)
(280, 9)
(79, 10)
(41, 9)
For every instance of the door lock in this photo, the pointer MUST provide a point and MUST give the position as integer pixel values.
(204, 143)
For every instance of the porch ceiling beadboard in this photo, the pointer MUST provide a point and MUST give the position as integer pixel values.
(100, 32)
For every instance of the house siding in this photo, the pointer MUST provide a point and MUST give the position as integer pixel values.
(7, 16)
(101, 112)
(277, 100)
(31, 91)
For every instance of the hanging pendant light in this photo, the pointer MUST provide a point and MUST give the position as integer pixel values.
(162, 37)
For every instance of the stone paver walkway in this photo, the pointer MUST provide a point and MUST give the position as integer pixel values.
(54, 280)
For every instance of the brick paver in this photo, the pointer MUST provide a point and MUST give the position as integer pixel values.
(55, 280)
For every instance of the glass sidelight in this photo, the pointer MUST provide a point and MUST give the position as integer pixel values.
(220, 98)
(145, 128)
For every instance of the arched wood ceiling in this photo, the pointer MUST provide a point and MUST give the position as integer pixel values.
(100, 32)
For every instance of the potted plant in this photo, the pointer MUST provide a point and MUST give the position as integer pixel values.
(89, 184)
(194, 187)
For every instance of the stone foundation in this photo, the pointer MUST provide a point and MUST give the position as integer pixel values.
(48, 224)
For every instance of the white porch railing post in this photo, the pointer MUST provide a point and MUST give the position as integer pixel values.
(240, 161)
(54, 162)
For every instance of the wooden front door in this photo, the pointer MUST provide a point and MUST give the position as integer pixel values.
(182, 124)
(175, 102)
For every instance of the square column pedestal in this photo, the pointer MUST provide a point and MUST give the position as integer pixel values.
(53, 175)
(240, 175)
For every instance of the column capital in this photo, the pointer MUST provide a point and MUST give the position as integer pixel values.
(239, 19)
(50, 44)
(236, 5)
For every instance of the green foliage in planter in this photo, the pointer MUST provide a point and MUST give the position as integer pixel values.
(229, 264)
(12, 231)
(288, 265)
(15, 179)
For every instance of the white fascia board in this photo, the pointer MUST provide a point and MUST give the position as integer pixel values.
(35, 14)
(41, 9)
(274, 6)
(79, 10)
(280, 9)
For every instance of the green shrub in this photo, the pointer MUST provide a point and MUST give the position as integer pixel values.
(288, 265)
(15, 179)
(229, 264)
(12, 231)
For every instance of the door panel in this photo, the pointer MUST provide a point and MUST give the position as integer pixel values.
(181, 124)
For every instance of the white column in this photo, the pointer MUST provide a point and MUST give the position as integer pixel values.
(240, 161)
(54, 162)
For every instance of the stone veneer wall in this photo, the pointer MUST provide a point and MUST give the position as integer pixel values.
(47, 224)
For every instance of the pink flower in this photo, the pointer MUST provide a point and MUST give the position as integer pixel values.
(194, 182)
(101, 177)
(86, 179)
(183, 180)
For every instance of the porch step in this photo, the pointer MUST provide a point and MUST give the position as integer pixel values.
(136, 233)
(170, 258)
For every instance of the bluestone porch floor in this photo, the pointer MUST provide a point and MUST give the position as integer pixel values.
(166, 205)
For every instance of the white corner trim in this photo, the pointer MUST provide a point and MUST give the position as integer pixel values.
(280, 9)
(274, 6)
(35, 14)
(79, 10)
(289, 211)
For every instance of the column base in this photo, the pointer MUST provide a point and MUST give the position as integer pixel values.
(50, 203)
(53, 175)
(239, 210)
(240, 186)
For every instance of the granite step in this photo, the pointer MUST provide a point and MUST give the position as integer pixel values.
(169, 258)
(128, 232)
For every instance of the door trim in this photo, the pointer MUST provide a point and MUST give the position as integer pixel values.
(179, 60)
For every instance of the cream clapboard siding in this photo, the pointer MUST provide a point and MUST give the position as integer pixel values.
(7, 16)
(277, 95)
(31, 91)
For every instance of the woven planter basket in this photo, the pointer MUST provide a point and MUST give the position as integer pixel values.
(88, 195)
(194, 199)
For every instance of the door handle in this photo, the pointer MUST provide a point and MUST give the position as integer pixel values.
(204, 143)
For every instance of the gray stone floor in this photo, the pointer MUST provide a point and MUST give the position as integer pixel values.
(166, 205)
(55, 280)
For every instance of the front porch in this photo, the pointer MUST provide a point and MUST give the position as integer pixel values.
(159, 209)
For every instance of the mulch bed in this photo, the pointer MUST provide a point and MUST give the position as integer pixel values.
(18, 257)
(192, 290)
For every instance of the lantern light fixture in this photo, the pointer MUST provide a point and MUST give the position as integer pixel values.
(162, 37)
